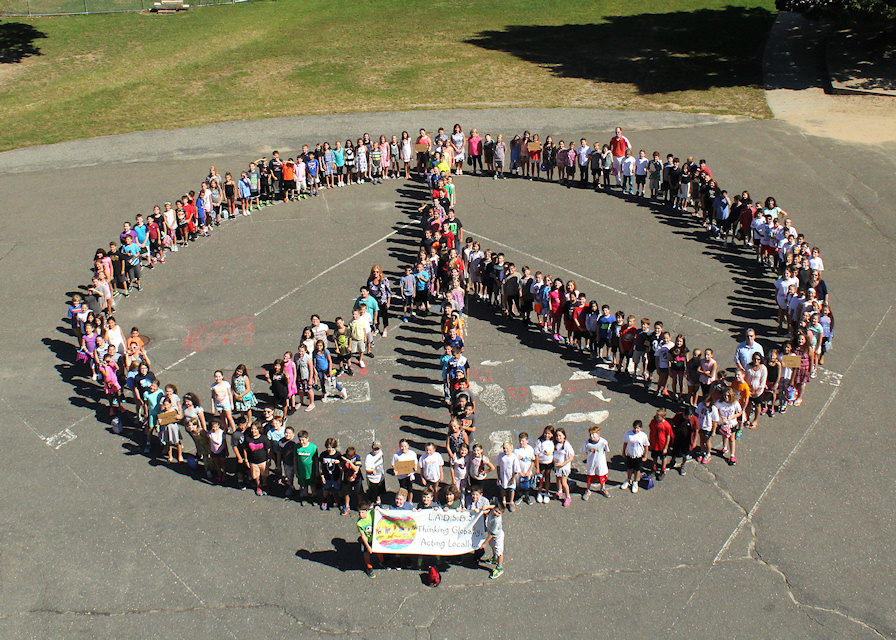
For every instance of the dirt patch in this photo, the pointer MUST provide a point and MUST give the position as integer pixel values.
(795, 78)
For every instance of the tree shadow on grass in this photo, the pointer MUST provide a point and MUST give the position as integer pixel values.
(657, 52)
(17, 41)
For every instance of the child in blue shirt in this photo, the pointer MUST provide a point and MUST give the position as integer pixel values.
(421, 296)
(311, 168)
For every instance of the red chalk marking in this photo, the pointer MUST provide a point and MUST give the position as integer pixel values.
(520, 395)
(236, 331)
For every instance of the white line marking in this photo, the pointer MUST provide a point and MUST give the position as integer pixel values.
(796, 447)
(494, 363)
(189, 355)
(335, 266)
(57, 439)
(579, 276)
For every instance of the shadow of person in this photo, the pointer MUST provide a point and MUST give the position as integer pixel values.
(17, 41)
(344, 556)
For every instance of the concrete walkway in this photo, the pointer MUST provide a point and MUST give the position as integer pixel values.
(256, 136)
(795, 80)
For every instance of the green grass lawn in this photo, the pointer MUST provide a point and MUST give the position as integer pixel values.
(106, 74)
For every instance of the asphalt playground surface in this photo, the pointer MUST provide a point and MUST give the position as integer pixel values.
(793, 542)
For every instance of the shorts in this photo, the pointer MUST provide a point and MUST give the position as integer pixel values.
(632, 464)
(725, 430)
(332, 485)
(421, 296)
(768, 250)
(537, 308)
(303, 385)
(406, 483)
(357, 346)
(563, 472)
(640, 179)
(226, 406)
(497, 543)
(350, 489)
(526, 483)
(408, 300)
(499, 164)
(546, 467)
(598, 479)
(253, 194)
(256, 470)
(289, 185)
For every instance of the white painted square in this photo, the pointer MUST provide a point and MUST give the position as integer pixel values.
(61, 438)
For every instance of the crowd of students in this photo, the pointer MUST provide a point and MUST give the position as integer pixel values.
(452, 271)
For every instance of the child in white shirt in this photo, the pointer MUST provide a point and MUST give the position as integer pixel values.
(595, 449)
(508, 470)
(459, 468)
(431, 467)
(526, 455)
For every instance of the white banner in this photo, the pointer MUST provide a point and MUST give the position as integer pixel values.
(427, 532)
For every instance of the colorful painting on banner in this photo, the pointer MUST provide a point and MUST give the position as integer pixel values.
(427, 532)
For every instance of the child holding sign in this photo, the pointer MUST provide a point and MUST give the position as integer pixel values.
(494, 529)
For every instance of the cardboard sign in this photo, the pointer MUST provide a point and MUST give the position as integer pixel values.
(167, 418)
(404, 467)
(791, 361)
(421, 148)
(534, 146)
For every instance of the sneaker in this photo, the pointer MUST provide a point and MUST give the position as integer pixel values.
(705, 459)
(732, 461)
(310, 407)
(660, 476)
(625, 485)
(324, 506)
(369, 572)
(539, 498)
(257, 491)
(681, 471)
(587, 494)
(497, 572)
(724, 450)
(527, 499)
(162, 259)
(511, 507)
(362, 364)
(344, 394)
(567, 501)
(635, 488)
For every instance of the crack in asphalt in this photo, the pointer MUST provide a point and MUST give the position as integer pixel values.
(757, 557)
